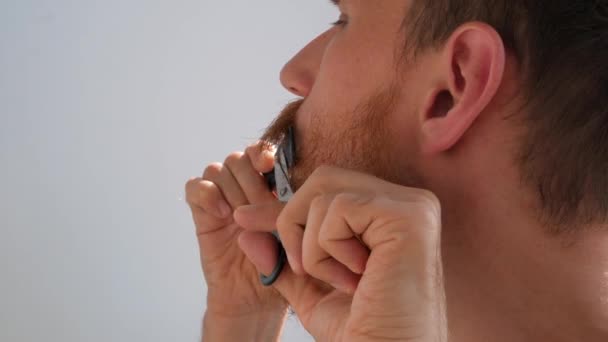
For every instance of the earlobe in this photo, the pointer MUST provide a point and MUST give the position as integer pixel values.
(472, 66)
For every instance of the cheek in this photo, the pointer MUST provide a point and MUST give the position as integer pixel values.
(342, 81)
(320, 120)
(351, 69)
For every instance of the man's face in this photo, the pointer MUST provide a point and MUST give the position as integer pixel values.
(352, 96)
(363, 107)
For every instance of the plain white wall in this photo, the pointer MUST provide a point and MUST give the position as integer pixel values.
(107, 108)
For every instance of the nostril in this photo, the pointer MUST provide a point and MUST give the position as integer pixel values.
(296, 79)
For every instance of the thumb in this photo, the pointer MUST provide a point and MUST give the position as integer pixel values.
(259, 217)
(303, 293)
(261, 156)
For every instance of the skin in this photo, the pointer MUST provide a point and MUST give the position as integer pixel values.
(444, 138)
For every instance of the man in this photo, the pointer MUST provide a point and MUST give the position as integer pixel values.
(451, 181)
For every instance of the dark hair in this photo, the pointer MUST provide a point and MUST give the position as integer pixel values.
(562, 49)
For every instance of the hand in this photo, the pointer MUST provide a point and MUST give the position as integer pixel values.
(377, 246)
(234, 289)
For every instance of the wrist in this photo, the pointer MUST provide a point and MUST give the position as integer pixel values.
(261, 326)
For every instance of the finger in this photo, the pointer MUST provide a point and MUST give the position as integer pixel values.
(205, 195)
(351, 252)
(228, 185)
(302, 292)
(357, 215)
(261, 249)
(292, 235)
(261, 157)
(263, 218)
(405, 241)
(403, 236)
(259, 217)
(206, 223)
(250, 181)
(326, 179)
(338, 239)
(293, 219)
(316, 261)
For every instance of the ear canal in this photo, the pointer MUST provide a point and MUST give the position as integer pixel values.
(444, 101)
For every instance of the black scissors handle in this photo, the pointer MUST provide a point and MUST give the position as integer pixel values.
(278, 180)
(268, 280)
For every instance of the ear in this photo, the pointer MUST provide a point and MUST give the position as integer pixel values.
(471, 67)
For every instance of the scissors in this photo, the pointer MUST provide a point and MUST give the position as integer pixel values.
(278, 180)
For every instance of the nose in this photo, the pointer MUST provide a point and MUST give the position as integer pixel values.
(299, 74)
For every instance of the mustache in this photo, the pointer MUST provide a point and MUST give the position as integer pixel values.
(277, 130)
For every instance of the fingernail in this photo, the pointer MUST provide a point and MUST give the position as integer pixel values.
(224, 209)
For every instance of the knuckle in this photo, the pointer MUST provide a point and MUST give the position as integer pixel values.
(254, 149)
(322, 173)
(286, 231)
(340, 203)
(309, 266)
(320, 202)
(212, 171)
(206, 189)
(322, 170)
(322, 239)
(282, 223)
(345, 201)
(190, 182)
(307, 263)
(426, 218)
(311, 262)
(429, 201)
(233, 158)
(200, 192)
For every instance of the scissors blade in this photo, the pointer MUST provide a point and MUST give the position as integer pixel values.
(284, 190)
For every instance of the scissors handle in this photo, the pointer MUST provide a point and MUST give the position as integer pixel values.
(268, 280)
(278, 181)
(270, 179)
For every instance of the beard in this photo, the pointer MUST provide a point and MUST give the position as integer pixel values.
(360, 140)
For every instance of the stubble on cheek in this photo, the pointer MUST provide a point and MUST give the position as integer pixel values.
(277, 130)
(358, 139)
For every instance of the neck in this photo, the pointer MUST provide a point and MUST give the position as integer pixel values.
(508, 279)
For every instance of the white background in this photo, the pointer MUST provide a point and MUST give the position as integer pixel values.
(106, 109)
